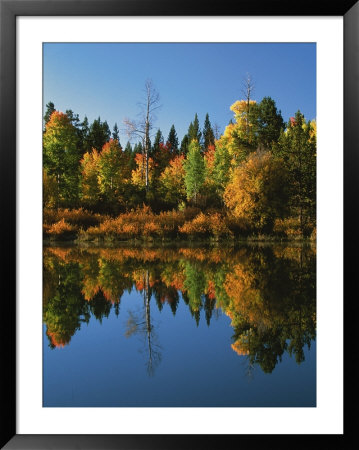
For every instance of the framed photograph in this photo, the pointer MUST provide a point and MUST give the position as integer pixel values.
(174, 205)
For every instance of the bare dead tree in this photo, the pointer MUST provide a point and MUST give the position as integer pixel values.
(142, 128)
(248, 87)
(216, 131)
(247, 90)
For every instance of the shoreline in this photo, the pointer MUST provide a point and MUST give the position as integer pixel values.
(177, 242)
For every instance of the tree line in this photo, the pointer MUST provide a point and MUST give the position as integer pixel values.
(261, 169)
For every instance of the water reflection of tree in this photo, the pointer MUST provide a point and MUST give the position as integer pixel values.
(141, 324)
(274, 309)
(268, 293)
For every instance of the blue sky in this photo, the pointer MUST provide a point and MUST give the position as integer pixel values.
(107, 80)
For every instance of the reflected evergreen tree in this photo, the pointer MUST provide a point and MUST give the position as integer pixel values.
(209, 304)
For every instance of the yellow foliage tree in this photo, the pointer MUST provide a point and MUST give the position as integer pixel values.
(172, 186)
(257, 190)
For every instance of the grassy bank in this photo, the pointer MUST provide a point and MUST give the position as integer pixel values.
(142, 225)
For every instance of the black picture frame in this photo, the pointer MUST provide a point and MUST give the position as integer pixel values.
(9, 10)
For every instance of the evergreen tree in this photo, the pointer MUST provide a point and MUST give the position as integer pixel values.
(99, 134)
(173, 140)
(297, 148)
(74, 118)
(128, 148)
(194, 132)
(195, 171)
(50, 108)
(208, 134)
(156, 144)
(270, 122)
(115, 134)
(86, 147)
(130, 157)
(184, 145)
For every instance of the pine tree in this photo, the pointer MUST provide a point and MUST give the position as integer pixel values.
(269, 122)
(86, 146)
(208, 134)
(115, 134)
(297, 148)
(173, 140)
(99, 134)
(194, 132)
(50, 108)
(156, 144)
(184, 145)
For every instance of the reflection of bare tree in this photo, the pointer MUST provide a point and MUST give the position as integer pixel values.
(141, 324)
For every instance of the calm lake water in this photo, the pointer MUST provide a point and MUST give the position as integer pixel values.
(207, 327)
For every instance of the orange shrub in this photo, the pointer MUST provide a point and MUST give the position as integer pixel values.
(80, 217)
(61, 228)
(203, 225)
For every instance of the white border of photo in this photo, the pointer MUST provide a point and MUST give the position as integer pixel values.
(327, 416)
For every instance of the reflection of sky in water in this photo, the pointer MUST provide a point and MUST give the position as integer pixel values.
(192, 365)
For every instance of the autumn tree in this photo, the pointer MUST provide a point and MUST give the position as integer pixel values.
(90, 189)
(195, 171)
(61, 157)
(172, 185)
(111, 173)
(257, 190)
(240, 135)
(138, 176)
(142, 129)
(49, 190)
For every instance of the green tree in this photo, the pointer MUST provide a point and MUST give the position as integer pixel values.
(156, 143)
(270, 122)
(61, 157)
(297, 148)
(208, 134)
(173, 140)
(99, 134)
(184, 145)
(50, 108)
(195, 171)
(194, 131)
(172, 188)
(115, 133)
(85, 129)
(221, 169)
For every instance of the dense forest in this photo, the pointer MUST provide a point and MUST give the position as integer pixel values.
(258, 178)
